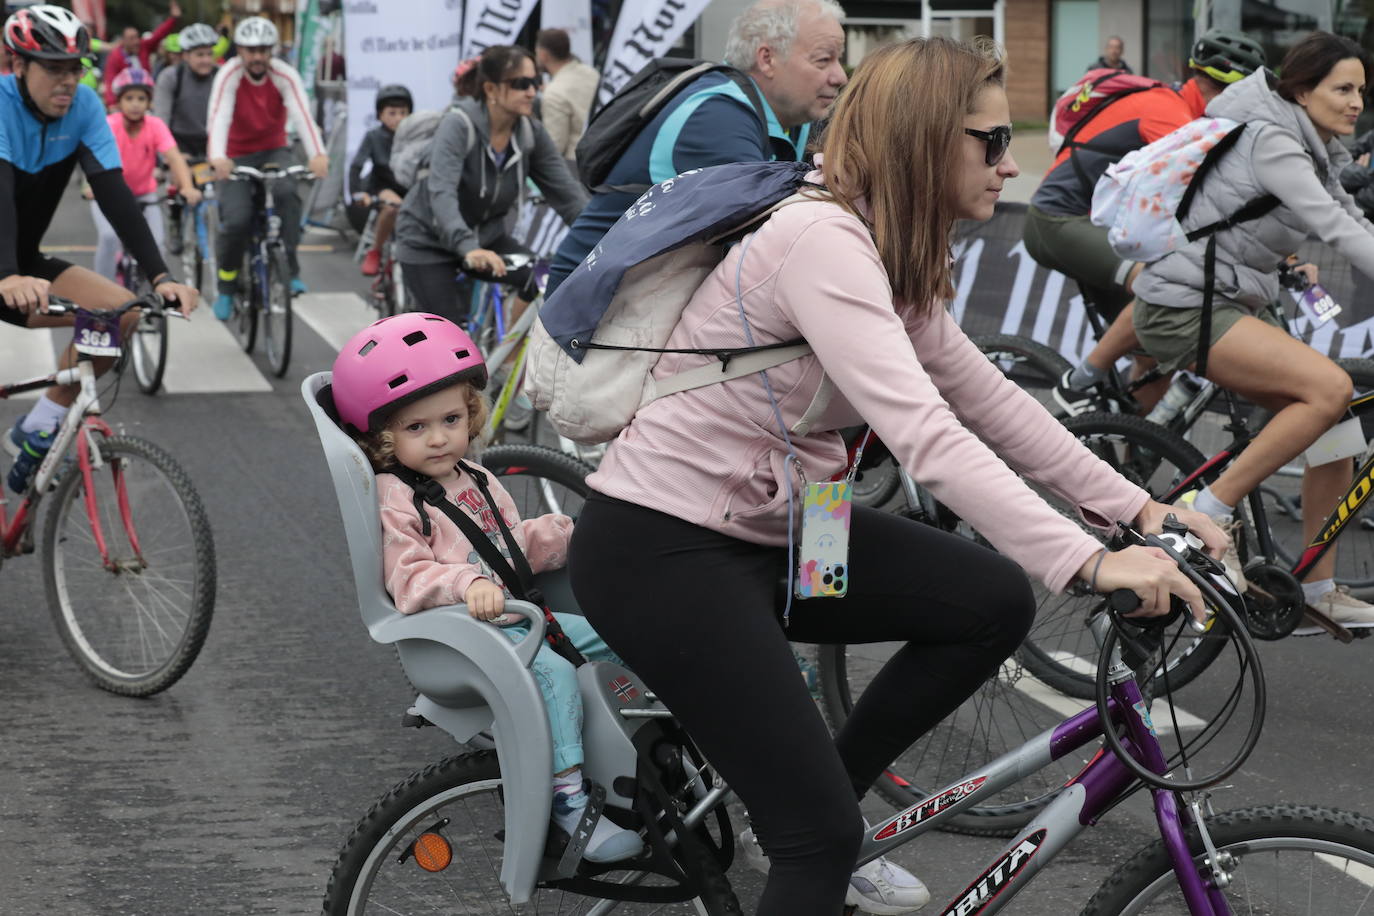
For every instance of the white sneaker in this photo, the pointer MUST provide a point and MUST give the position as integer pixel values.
(1342, 607)
(1230, 559)
(880, 887)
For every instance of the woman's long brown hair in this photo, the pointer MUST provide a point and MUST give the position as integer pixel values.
(895, 141)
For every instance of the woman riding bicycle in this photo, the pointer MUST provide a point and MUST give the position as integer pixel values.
(1290, 149)
(679, 551)
(483, 149)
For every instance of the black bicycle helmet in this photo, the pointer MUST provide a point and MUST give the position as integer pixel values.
(1227, 57)
(47, 33)
(394, 94)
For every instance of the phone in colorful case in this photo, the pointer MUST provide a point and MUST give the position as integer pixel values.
(823, 557)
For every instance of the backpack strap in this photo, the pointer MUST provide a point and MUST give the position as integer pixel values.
(519, 578)
(733, 365)
(1073, 146)
(1253, 210)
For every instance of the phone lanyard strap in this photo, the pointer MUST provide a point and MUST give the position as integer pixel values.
(858, 455)
(792, 458)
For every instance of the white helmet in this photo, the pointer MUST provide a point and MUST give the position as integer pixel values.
(255, 32)
(198, 35)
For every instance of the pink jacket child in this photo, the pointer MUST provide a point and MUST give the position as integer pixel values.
(423, 572)
(409, 388)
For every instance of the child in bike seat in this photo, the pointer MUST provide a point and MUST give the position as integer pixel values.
(409, 389)
(141, 138)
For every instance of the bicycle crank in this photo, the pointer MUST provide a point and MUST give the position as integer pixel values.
(1274, 602)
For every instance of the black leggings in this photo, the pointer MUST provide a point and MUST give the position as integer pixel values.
(697, 615)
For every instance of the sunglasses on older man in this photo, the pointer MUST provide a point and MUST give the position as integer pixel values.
(997, 139)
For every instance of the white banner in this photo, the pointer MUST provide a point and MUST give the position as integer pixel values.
(418, 50)
(573, 17)
(645, 30)
(493, 22)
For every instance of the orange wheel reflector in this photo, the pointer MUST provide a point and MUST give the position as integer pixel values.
(432, 852)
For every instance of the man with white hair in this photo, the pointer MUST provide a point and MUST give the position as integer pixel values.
(791, 49)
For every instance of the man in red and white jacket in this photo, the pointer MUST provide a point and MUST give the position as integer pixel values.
(253, 97)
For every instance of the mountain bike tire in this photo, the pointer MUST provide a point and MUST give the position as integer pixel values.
(149, 351)
(1034, 367)
(136, 625)
(1060, 651)
(371, 876)
(1300, 862)
(539, 479)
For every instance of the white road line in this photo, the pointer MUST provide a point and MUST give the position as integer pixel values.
(26, 353)
(334, 316)
(1361, 873)
(204, 356)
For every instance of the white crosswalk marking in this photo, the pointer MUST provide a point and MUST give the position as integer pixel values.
(1067, 706)
(24, 354)
(1362, 873)
(202, 355)
(334, 316)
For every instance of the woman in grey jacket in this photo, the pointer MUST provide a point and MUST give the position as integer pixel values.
(483, 149)
(1291, 148)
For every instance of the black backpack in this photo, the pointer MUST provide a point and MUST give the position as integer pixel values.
(615, 125)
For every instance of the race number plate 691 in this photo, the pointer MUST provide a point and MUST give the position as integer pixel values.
(96, 336)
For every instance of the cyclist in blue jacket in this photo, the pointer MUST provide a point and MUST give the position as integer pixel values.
(49, 123)
(791, 49)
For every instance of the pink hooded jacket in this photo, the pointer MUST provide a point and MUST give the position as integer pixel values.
(424, 572)
(715, 456)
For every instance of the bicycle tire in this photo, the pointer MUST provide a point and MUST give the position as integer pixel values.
(368, 864)
(245, 318)
(1034, 367)
(148, 651)
(190, 249)
(1059, 651)
(530, 474)
(149, 345)
(277, 319)
(1355, 546)
(936, 760)
(1146, 884)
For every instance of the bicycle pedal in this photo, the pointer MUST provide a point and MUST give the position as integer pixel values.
(1332, 628)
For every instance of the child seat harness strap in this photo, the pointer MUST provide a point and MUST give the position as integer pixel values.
(515, 573)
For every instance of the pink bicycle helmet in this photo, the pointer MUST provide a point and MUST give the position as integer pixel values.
(132, 78)
(395, 361)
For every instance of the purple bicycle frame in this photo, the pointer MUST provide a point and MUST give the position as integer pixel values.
(1078, 805)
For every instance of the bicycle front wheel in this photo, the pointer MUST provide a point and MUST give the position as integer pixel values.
(539, 479)
(149, 346)
(277, 329)
(136, 621)
(1282, 859)
(460, 800)
(1060, 651)
(245, 318)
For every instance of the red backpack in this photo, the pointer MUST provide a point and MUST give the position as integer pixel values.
(1085, 98)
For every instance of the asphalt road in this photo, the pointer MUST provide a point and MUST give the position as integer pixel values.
(232, 792)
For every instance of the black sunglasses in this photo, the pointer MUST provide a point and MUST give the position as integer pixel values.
(997, 139)
(523, 83)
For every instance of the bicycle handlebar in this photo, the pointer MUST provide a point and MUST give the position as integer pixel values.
(152, 302)
(248, 173)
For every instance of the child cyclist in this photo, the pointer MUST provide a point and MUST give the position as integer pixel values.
(393, 103)
(141, 138)
(409, 388)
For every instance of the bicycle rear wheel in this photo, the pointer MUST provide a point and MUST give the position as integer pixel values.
(460, 799)
(1287, 859)
(149, 347)
(1034, 367)
(277, 316)
(539, 479)
(1060, 651)
(136, 623)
